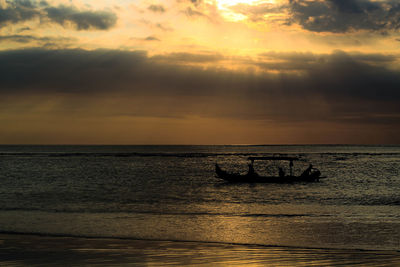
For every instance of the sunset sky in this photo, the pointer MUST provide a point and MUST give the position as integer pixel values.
(200, 72)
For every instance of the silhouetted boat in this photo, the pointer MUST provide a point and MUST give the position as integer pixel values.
(311, 174)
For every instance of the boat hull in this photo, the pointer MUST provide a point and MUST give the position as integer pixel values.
(255, 178)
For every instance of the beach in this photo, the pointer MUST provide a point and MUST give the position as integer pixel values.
(36, 250)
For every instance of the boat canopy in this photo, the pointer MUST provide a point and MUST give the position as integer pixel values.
(273, 158)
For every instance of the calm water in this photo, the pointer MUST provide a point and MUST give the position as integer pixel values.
(171, 193)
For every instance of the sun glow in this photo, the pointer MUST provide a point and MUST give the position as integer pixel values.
(226, 3)
(228, 13)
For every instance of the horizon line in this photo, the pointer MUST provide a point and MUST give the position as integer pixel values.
(282, 144)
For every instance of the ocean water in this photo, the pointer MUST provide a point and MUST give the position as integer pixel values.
(171, 193)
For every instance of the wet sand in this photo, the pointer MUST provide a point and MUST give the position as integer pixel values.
(32, 250)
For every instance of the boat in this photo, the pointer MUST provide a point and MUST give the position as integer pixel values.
(311, 174)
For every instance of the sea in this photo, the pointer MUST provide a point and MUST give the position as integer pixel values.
(171, 193)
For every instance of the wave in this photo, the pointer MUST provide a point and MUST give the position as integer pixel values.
(382, 201)
(158, 213)
(328, 249)
(227, 214)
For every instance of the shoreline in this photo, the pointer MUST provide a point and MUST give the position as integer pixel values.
(18, 249)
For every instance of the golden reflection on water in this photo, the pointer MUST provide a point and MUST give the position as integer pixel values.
(22, 250)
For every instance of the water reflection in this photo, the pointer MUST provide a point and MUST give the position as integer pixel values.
(22, 250)
(300, 226)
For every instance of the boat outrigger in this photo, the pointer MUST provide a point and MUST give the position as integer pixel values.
(311, 174)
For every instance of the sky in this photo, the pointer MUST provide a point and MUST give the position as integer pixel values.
(200, 72)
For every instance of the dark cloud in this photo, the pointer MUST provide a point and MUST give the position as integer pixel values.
(197, 9)
(309, 61)
(44, 3)
(152, 38)
(192, 2)
(149, 38)
(340, 16)
(178, 58)
(31, 38)
(83, 20)
(18, 11)
(24, 29)
(345, 76)
(157, 8)
(337, 16)
(332, 87)
(24, 10)
(195, 2)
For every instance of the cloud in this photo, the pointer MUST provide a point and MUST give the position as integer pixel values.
(157, 8)
(152, 38)
(340, 16)
(24, 10)
(42, 41)
(258, 12)
(199, 9)
(163, 28)
(323, 87)
(157, 26)
(24, 29)
(83, 20)
(178, 58)
(195, 2)
(260, 9)
(18, 11)
(335, 16)
(190, 12)
(309, 61)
